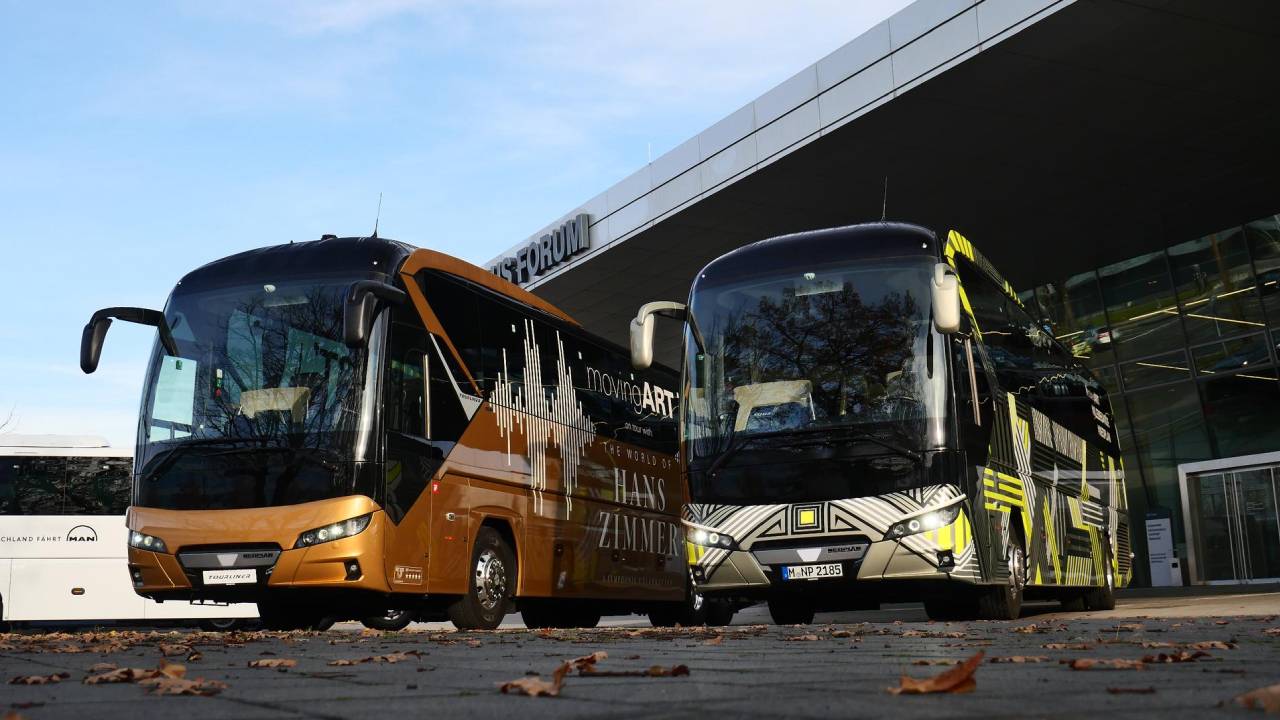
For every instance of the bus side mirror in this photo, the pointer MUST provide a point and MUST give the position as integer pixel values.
(95, 332)
(642, 330)
(358, 309)
(946, 299)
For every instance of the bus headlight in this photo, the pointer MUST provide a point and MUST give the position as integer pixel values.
(941, 517)
(142, 541)
(709, 538)
(333, 531)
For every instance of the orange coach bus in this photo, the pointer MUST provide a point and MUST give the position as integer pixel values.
(357, 428)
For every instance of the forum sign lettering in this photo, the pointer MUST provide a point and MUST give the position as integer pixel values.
(551, 250)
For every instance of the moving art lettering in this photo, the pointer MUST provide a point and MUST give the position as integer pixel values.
(643, 397)
(549, 251)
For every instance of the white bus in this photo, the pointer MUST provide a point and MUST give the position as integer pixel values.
(63, 542)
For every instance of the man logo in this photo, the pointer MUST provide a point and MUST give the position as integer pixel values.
(82, 533)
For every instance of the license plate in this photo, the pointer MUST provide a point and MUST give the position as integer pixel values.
(230, 577)
(812, 572)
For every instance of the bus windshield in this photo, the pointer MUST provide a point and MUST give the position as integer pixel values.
(818, 356)
(260, 406)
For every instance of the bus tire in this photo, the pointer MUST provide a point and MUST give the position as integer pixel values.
(491, 583)
(720, 613)
(790, 610)
(221, 624)
(392, 619)
(1104, 597)
(690, 612)
(1073, 602)
(1004, 601)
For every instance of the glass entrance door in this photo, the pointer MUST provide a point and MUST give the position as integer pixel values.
(1236, 524)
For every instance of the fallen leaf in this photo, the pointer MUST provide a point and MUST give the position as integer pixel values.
(1178, 657)
(930, 634)
(841, 634)
(40, 679)
(1266, 698)
(1221, 622)
(1127, 627)
(195, 656)
(958, 679)
(801, 638)
(1101, 664)
(535, 686)
(1212, 645)
(1032, 628)
(1273, 632)
(182, 686)
(101, 667)
(1020, 659)
(1131, 690)
(394, 657)
(587, 662)
(1159, 645)
(717, 640)
(1067, 646)
(934, 661)
(474, 643)
(169, 650)
(272, 663)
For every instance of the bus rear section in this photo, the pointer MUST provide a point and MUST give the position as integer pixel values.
(855, 430)
(63, 544)
(357, 428)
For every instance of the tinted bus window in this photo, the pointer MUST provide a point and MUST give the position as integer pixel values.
(32, 485)
(97, 485)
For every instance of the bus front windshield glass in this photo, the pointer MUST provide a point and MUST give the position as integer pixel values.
(800, 360)
(260, 406)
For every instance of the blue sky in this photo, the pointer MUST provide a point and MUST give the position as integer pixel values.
(140, 140)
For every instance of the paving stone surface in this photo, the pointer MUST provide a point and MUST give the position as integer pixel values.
(838, 668)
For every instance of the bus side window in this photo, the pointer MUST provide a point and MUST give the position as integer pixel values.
(405, 387)
(97, 486)
(39, 484)
(446, 418)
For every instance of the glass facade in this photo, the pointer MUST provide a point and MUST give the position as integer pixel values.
(1186, 340)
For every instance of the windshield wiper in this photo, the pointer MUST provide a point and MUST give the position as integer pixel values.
(186, 444)
(867, 435)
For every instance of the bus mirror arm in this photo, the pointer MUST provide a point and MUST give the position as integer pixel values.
(95, 332)
(642, 329)
(946, 299)
(357, 311)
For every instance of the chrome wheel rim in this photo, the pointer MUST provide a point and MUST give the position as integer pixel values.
(394, 615)
(697, 601)
(491, 580)
(1017, 570)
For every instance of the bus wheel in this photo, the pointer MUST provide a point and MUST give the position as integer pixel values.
(1004, 602)
(790, 610)
(392, 619)
(720, 613)
(221, 624)
(689, 613)
(1103, 598)
(490, 586)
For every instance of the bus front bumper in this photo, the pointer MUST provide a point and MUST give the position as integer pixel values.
(243, 555)
(760, 572)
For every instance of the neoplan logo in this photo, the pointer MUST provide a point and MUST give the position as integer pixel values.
(82, 533)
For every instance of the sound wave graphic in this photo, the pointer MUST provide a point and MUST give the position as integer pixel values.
(547, 415)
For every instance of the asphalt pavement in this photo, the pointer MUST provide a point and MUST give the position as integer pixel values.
(1185, 656)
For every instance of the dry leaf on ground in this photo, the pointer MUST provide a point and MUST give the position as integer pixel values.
(1020, 659)
(195, 656)
(535, 686)
(40, 679)
(1032, 628)
(170, 650)
(958, 679)
(101, 667)
(394, 657)
(1265, 698)
(934, 661)
(1103, 664)
(801, 638)
(273, 663)
(651, 671)
(1212, 645)
(1067, 646)
(717, 640)
(181, 686)
(1178, 657)
(1273, 632)
(1131, 690)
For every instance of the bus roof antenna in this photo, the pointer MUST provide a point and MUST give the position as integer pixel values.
(884, 207)
(377, 217)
